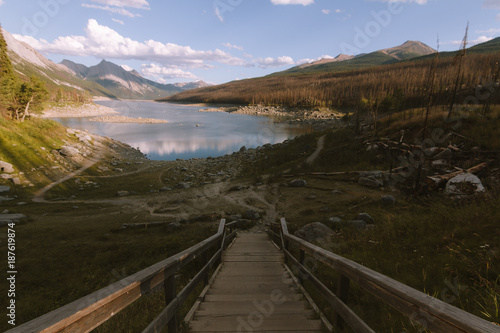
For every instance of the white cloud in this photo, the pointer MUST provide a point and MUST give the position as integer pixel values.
(103, 42)
(162, 74)
(118, 21)
(339, 11)
(141, 4)
(219, 14)
(326, 11)
(419, 2)
(127, 68)
(114, 10)
(274, 62)
(231, 46)
(308, 60)
(491, 31)
(293, 2)
(479, 40)
(2, 2)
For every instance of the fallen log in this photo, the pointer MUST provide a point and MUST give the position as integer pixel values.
(439, 180)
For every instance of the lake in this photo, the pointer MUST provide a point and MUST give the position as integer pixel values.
(188, 133)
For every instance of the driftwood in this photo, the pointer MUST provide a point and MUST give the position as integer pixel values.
(439, 180)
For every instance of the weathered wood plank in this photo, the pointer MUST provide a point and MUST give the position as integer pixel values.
(432, 313)
(89, 312)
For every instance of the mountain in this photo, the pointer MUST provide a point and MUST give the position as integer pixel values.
(126, 84)
(340, 57)
(27, 61)
(408, 50)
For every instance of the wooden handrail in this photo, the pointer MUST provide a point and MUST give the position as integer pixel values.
(91, 311)
(430, 312)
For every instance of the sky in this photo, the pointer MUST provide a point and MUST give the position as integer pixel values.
(218, 41)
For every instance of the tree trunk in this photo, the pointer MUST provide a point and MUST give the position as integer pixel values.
(26, 110)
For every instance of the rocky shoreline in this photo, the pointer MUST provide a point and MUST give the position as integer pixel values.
(123, 119)
(318, 119)
(78, 111)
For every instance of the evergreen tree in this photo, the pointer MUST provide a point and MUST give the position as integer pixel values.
(7, 77)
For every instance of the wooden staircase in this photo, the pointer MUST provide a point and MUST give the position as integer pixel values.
(253, 292)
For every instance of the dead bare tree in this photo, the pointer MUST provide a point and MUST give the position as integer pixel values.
(431, 79)
(459, 57)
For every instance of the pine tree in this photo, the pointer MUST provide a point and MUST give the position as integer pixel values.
(7, 77)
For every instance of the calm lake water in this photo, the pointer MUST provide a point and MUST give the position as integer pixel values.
(217, 133)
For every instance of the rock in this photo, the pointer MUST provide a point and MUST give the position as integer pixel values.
(298, 183)
(174, 225)
(5, 211)
(165, 189)
(4, 189)
(334, 222)
(314, 232)
(236, 188)
(122, 193)
(365, 217)
(444, 155)
(234, 217)
(15, 181)
(2, 198)
(11, 218)
(183, 185)
(22, 203)
(69, 151)
(252, 215)
(388, 200)
(439, 163)
(243, 149)
(360, 224)
(311, 197)
(4, 176)
(6, 167)
(464, 184)
(118, 170)
(335, 192)
(372, 146)
(70, 131)
(370, 182)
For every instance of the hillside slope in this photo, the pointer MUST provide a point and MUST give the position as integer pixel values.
(376, 79)
(126, 84)
(27, 62)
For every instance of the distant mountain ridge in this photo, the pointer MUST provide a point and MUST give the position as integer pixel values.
(405, 51)
(27, 61)
(126, 84)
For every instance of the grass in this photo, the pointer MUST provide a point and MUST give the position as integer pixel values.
(83, 253)
(27, 146)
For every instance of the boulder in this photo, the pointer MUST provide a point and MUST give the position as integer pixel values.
(365, 217)
(2, 198)
(6, 167)
(359, 224)
(11, 218)
(4, 189)
(388, 200)
(370, 182)
(298, 183)
(252, 215)
(15, 181)
(69, 151)
(122, 193)
(464, 184)
(183, 185)
(314, 232)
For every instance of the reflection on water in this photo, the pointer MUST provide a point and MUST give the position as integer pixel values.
(188, 133)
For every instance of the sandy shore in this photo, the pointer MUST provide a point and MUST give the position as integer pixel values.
(123, 119)
(78, 111)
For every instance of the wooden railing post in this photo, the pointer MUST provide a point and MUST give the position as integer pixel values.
(342, 293)
(170, 294)
(300, 274)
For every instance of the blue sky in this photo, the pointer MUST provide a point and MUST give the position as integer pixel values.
(222, 40)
